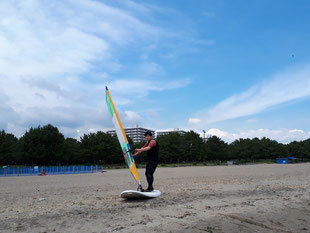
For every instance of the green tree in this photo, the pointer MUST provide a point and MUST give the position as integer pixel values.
(47, 146)
(172, 148)
(255, 149)
(100, 147)
(306, 149)
(242, 149)
(42, 146)
(215, 149)
(299, 149)
(8, 148)
(193, 147)
(72, 151)
(271, 149)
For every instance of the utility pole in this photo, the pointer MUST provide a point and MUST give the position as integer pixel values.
(204, 135)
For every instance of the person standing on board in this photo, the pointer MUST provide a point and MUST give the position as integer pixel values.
(152, 148)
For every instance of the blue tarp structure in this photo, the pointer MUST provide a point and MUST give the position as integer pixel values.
(285, 160)
(282, 160)
(50, 170)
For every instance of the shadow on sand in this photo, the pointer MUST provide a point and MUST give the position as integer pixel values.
(137, 199)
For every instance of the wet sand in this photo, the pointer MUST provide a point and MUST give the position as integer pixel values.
(248, 198)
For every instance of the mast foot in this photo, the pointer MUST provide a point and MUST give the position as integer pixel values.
(139, 188)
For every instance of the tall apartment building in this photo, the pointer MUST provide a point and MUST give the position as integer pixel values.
(135, 133)
(166, 132)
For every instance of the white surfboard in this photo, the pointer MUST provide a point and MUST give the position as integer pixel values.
(138, 194)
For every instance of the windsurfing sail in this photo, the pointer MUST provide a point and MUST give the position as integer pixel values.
(127, 153)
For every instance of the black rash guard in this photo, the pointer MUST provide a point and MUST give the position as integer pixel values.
(152, 154)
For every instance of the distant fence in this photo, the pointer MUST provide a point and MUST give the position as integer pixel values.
(50, 170)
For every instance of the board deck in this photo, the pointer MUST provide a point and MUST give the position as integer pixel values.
(138, 194)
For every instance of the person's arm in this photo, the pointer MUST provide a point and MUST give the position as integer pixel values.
(145, 148)
(139, 151)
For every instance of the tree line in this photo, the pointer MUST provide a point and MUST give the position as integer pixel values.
(47, 146)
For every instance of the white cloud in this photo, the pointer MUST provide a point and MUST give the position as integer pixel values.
(132, 118)
(194, 120)
(280, 135)
(150, 69)
(56, 55)
(139, 88)
(296, 131)
(280, 88)
(218, 132)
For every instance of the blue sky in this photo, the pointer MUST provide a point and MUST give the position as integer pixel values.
(232, 68)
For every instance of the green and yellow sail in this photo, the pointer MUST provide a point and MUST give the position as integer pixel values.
(127, 153)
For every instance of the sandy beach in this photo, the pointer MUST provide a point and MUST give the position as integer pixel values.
(248, 198)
